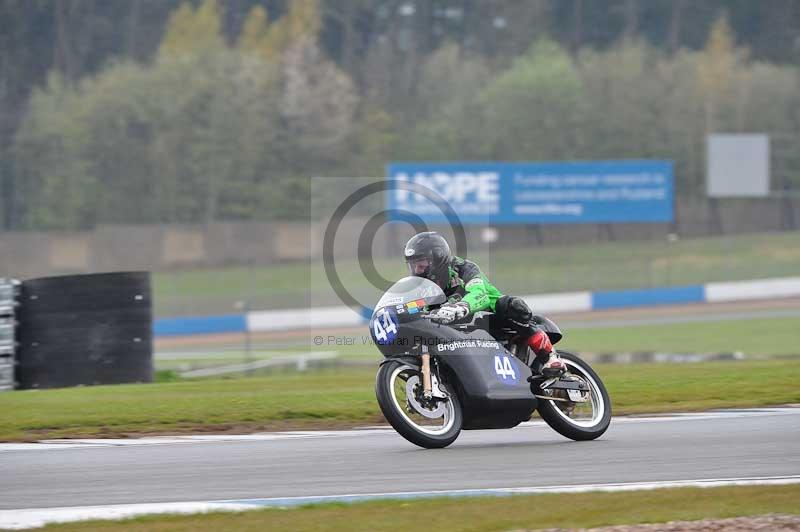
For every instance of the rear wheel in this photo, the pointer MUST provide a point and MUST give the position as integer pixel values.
(430, 423)
(586, 419)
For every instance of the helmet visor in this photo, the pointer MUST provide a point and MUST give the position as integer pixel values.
(421, 266)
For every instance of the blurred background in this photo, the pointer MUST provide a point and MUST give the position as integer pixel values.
(182, 137)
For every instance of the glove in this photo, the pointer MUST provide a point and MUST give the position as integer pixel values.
(450, 312)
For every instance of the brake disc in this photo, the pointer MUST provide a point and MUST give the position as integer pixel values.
(413, 387)
(578, 396)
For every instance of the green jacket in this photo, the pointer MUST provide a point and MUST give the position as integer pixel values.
(470, 285)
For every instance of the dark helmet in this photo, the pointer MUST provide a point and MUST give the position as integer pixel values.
(428, 255)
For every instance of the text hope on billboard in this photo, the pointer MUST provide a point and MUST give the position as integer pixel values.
(540, 193)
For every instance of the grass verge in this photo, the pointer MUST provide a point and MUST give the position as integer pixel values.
(773, 336)
(346, 398)
(485, 514)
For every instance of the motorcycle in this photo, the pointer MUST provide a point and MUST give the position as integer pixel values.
(436, 380)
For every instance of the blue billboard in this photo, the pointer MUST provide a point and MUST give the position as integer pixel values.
(534, 193)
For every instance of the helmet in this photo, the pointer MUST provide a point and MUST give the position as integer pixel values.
(428, 255)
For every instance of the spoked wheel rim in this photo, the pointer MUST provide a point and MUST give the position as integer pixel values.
(409, 407)
(585, 415)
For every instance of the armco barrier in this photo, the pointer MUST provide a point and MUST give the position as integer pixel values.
(331, 317)
(281, 320)
(760, 289)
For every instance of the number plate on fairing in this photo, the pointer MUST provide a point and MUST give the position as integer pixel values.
(504, 367)
(384, 326)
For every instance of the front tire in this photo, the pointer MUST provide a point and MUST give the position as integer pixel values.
(560, 416)
(407, 415)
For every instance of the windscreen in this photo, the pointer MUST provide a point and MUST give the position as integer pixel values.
(409, 289)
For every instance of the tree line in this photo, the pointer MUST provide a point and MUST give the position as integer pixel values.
(168, 111)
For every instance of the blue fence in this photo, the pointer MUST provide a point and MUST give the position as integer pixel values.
(648, 296)
(230, 323)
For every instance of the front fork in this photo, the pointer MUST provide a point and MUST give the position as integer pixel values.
(430, 383)
(427, 387)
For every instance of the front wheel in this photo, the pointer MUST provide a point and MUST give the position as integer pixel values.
(583, 420)
(431, 423)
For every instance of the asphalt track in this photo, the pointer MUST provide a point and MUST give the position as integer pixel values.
(723, 445)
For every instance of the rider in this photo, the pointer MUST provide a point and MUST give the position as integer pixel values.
(468, 290)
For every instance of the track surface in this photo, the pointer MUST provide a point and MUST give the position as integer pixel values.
(759, 442)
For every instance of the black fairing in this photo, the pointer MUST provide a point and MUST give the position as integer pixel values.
(548, 326)
(490, 400)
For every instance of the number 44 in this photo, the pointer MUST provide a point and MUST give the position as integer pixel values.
(388, 326)
(503, 367)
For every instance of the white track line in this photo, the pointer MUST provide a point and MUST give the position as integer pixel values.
(37, 517)
(50, 445)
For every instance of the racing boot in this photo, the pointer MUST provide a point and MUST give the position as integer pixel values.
(546, 356)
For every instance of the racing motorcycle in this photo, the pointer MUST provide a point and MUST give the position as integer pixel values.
(436, 380)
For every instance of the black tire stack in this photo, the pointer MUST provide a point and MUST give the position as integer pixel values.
(85, 329)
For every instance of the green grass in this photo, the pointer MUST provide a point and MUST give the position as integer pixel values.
(220, 358)
(190, 406)
(780, 336)
(483, 514)
(640, 388)
(346, 398)
(597, 266)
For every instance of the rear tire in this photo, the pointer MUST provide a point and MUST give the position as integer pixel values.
(561, 422)
(430, 438)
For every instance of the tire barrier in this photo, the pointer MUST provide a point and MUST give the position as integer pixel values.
(85, 329)
(9, 294)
